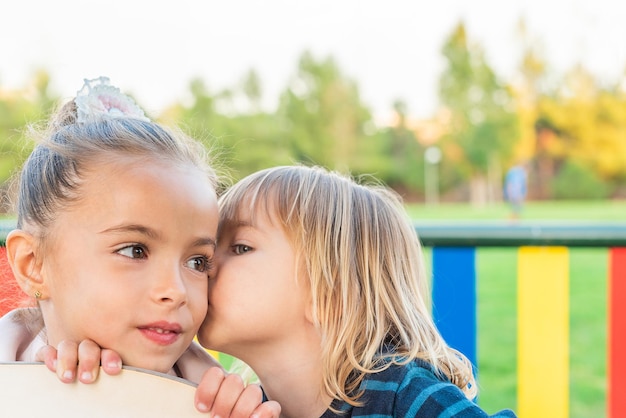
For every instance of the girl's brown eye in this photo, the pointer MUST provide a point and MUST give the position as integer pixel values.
(201, 264)
(133, 251)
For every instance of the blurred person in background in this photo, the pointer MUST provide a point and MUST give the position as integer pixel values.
(516, 189)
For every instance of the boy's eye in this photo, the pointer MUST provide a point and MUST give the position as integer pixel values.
(241, 249)
(201, 264)
(133, 251)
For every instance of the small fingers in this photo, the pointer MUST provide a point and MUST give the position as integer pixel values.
(249, 399)
(208, 388)
(228, 396)
(269, 409)
(47, 354)
(88, 361)
(111, 362)
(67, 361)
(83, 360)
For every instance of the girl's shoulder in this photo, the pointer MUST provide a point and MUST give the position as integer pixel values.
(20, 335)
(194, 362)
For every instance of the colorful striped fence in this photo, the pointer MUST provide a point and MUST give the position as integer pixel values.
(542, 303)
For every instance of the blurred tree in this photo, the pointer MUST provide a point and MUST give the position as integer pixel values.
(241, 142)
(591, 125)
(19, 108)
(484, 127)
(575, 181)
(529, 85)
(251, 86)
(198, 115)
(322, 116)
(403, 165)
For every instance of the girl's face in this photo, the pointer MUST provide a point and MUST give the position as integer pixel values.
(128, 263)
(255, 299)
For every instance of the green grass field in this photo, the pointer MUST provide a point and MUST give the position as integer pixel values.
(563, 210)
(497, 322)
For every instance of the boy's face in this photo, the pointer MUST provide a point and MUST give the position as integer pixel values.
(127, 265)
(255, 300)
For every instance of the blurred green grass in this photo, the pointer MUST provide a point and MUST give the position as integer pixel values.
(497, 292)
(604, 210)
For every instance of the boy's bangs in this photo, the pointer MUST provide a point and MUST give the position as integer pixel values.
(255, 196)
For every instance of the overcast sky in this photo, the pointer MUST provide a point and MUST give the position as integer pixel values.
(153, 48)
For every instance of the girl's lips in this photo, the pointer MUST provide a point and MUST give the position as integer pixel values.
(162, 333)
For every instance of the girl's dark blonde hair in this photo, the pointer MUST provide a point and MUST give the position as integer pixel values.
(366, 273)
(51, 176)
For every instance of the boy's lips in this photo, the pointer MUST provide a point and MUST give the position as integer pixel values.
(163, 333)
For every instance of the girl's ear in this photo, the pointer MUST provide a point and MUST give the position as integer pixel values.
(22, 257)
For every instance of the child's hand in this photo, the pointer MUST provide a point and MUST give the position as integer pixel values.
(224, 395)
(82, 360)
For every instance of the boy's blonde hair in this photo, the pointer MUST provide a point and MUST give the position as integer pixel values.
(364, 262)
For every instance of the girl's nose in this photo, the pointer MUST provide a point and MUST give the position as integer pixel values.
(170, 287)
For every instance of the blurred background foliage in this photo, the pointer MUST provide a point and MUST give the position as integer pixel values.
(570, 130)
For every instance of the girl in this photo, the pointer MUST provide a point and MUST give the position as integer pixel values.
(319, 286)
(116, 233)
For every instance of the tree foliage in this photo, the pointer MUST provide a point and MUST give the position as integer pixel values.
(18, 110)
(591, 122)
(571, 129)
(242, 142)
(321, 114)
(483, 124)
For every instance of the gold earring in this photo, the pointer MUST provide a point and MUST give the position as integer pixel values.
(37, 294)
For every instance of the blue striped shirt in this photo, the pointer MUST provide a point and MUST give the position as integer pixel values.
(411, 390)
